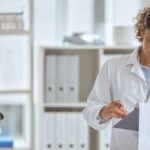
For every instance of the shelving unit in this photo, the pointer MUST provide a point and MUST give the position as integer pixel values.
(88, 68)
(14, 32)
(64, 106)
(16, 85)
(15, 91)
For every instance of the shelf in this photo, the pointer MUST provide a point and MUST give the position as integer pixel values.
(89, 47)
(14, 148)
(64, 106)
(71, 47)
(14, 33)
(15, 91)
(13, 102)
(18, 145)
(120, 47)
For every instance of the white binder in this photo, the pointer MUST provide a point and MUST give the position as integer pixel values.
(73, 78)
(62, 78)
(105, 138)
(60, 128)
(49, 131)
(50, 79)
(71, 132)
(83, 133)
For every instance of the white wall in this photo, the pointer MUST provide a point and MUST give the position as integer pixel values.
(11, 5)
(118, 12)
(54, 19)
(80, 16)
(125, 11)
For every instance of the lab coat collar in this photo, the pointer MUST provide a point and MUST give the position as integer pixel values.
(134, 57)
(134, 63)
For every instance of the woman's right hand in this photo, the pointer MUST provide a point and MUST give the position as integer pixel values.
(115, 109)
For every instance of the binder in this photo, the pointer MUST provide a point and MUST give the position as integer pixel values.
(105, 138)
(60, 131)
(83, 134)
(62, 78)
(73, 78)
(50, 79)
(71, 132)
(49, 131)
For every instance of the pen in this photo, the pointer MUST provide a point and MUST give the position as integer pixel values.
(118, 104)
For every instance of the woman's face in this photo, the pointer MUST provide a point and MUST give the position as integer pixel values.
(146, 42)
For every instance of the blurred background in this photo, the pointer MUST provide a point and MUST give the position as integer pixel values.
(50, 54)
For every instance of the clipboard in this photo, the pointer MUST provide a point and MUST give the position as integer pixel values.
(130, 122)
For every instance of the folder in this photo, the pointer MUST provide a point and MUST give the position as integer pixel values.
(50, 78)
(49, 131)
(60, 124)
(130, 122)
(73, 78)
(62, 78)
(71, 132)
(83, 134)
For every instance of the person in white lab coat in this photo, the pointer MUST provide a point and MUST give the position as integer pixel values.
(120, 85)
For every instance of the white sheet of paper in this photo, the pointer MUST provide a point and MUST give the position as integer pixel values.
(144, 127)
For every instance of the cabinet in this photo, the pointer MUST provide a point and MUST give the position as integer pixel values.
(16, 102)
(90, 60)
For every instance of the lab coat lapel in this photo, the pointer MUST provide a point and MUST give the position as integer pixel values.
(138, 71)
(134, 65)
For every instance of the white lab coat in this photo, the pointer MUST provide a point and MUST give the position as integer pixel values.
(119, 79)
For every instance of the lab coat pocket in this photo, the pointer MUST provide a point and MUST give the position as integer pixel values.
(123, 139)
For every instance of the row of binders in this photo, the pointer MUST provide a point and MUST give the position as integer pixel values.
(65, 131)
(61, 78)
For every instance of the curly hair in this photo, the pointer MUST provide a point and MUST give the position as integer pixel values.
(143, 22)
